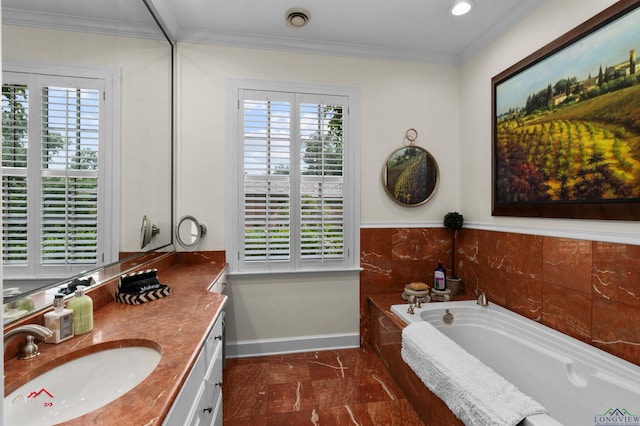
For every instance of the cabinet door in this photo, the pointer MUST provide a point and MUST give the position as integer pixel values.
(213, 380)
(213, 377)
(220, 283)
(217, 415)
(183, 410)
(198, 416)
(200, 399)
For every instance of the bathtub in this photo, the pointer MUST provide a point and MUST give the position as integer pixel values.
(577, 383)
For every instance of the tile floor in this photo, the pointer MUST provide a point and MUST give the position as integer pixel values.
(341, 387)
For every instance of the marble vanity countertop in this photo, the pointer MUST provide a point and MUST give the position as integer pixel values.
(177, 325)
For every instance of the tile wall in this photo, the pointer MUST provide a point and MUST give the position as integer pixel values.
(589, 290)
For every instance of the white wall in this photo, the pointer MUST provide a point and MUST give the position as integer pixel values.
(145, 119)
(393, 97)
(551, 20)
(292, 313)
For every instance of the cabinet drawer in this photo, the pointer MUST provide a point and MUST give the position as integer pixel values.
(215, 339)
(220, 283)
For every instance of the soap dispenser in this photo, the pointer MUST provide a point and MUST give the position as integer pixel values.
(59, 321)
(82, 307)
(439, 275)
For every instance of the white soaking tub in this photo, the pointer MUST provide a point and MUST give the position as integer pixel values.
(577, 383)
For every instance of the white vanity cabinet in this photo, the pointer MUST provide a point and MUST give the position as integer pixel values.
(220, 282)
(200, 399)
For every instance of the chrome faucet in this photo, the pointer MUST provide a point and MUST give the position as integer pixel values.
(482, 300)
(29, 349)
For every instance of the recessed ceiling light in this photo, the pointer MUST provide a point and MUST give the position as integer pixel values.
(461, 7)
(296, 17)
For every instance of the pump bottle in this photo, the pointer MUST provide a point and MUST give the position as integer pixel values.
(82, 307)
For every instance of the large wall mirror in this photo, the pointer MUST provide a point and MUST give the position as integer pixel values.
(120, 37)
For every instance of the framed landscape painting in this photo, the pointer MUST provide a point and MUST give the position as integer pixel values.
(566, 124)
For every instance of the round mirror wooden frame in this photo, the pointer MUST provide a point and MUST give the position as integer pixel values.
(410, 176)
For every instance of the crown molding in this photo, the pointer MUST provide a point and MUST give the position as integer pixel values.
(54, 21)
(313, 47)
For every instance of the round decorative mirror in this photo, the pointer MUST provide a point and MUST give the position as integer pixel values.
(189, 231)
(410, 175)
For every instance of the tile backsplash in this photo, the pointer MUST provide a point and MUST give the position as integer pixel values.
(589, 290)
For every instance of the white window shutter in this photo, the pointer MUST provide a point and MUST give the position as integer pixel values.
(53, 148)
(69, 182)
(267, 181)
(15, 106)
(292, 181)
(321, 180)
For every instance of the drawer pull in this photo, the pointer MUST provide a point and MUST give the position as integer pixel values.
(219, 384)
(208, 409)
(218, 337)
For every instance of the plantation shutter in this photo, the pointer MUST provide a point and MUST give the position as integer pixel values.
(267, 181)
(15, 106)
(51, 152)
(321, 180)
(69, 197)
(292, 180)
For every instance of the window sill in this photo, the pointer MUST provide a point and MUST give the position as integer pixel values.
(306, 272)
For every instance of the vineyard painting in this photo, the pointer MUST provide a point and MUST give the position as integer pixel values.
(410, 176)
(566, 129)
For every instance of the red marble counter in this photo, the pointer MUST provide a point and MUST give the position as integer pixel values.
(176, 325)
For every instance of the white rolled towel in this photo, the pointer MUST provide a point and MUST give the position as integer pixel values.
(474, 392)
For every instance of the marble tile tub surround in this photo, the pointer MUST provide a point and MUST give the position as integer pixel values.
(589, 290)
(386, 341)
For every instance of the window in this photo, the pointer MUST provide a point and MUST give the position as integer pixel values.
(54, 175)
(296, 180)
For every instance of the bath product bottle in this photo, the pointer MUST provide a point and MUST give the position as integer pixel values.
(82, 307)
(60, 321)
(438, 277)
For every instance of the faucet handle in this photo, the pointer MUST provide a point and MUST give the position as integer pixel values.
(30, 349)
(482, 300)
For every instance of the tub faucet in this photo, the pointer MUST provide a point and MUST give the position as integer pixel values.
(482, 300)
(29, 349)
(410, 308)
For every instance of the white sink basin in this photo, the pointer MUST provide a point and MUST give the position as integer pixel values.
(79, 386)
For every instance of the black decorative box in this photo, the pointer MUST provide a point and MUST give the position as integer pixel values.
(141, 287)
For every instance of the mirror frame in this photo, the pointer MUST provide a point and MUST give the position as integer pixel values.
(103, 273)
(423, 186)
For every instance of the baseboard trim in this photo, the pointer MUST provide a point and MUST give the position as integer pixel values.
(248, 348)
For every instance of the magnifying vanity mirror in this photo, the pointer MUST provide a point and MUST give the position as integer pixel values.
(148, 230)
(410, 175)
(189, 231)
(66, 41)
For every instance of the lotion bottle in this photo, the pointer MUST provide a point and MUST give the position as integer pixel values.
(59, 321)
(439, 273)
(82, 307)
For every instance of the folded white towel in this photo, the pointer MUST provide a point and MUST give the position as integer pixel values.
(475, 393)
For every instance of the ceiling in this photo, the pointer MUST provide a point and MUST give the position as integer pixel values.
(406, 30)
